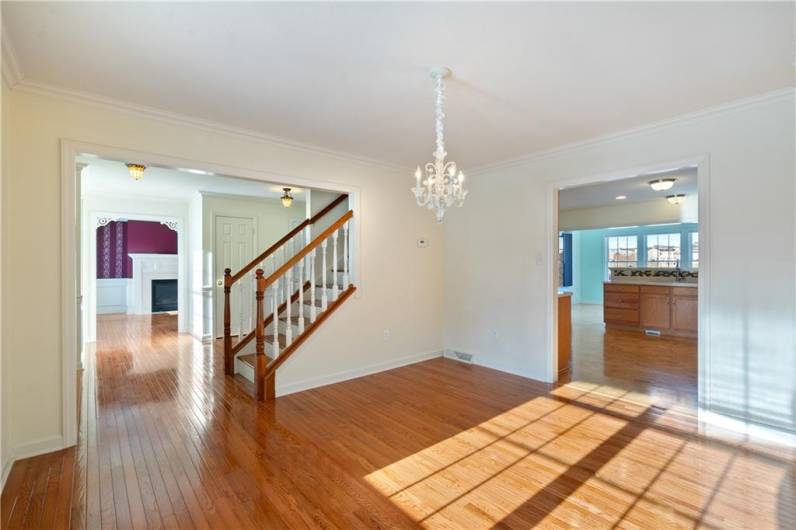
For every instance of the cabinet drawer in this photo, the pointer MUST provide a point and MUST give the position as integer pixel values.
(654, 289)
(621, 300)
(620, 288)
(684, 291)
(621, 316)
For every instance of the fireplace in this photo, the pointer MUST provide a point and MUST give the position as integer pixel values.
(164, 295)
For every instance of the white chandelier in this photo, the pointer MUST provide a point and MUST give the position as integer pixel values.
(442, 187)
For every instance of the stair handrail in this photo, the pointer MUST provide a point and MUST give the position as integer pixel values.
(264, 283)
(230, 278)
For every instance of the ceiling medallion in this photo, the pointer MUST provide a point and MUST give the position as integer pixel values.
(439, 187)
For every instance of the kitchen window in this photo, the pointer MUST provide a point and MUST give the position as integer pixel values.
(663, 251)
(622, 251)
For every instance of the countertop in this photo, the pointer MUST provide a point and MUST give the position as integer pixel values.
(564, 293)
(648, 282)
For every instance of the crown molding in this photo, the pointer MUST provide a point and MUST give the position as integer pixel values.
(11, 71)
(726, 108)
(47, 90)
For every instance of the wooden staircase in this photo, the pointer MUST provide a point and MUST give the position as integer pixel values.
(276, 312)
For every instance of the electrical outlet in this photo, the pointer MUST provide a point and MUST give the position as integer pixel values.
(386, 334)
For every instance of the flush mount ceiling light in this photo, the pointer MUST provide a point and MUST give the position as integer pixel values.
(136, 170)
(287, 199)
(621, 197)
(662, 184)
(676, 199)
(442, 187)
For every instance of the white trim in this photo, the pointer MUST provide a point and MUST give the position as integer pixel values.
(11, 71)
(713, 111)
(315, 382)
(716, 425)
(70, 228)
(70, 149)
(43, 89)
(34, 448)
(551, 305)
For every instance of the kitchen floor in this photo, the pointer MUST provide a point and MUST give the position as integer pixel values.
(660, 370)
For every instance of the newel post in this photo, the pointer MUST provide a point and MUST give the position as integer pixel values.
(229, 362)
(259, 339)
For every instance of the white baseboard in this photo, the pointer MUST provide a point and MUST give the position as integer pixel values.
(713, 423)
(34, 448)
(315, 382)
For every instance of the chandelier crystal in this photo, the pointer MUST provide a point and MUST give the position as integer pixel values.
(440, 186)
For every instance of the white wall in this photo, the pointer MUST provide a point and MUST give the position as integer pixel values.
(659, 211)
(112, 295)
(400, 287)
(496, 252)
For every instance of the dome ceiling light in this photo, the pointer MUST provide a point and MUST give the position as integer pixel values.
(662, 184)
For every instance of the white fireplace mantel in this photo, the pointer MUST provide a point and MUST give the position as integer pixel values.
(148, 267)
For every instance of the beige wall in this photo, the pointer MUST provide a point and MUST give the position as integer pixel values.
(497, 252)
(400, 287)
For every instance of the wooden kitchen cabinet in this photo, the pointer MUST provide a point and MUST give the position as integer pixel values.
(655, 310)
(685, 310)
(672, 310)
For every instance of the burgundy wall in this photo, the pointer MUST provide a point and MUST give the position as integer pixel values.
(118, 239)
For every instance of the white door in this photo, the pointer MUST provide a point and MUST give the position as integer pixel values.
(234, 248)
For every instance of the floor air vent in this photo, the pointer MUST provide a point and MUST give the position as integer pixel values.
(459, 356)
(652, 332)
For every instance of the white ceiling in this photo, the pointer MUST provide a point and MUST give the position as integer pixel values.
(636, 189)
(110, 177)
(353, 77)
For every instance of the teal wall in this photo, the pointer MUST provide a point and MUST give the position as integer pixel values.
(589, 268)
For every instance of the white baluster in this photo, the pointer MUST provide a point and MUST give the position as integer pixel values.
(346, 276)
(241, 306)
(335, 292)
(301, 296)
(289, 327)
(312, 285)
(324, 298)
(275, 321)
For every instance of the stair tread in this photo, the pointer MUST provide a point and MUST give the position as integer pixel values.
(282, 339)
(249, 358)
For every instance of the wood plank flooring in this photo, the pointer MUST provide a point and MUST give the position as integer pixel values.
(166, 441)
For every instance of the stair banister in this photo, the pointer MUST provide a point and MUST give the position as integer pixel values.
(312, 220)
(229, 361)
(259, 359)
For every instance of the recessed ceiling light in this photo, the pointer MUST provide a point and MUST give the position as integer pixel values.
(621, 197)
(662, 184)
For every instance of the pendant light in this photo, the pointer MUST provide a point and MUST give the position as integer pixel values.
(287, 199)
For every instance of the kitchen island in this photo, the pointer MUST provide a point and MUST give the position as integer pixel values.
(655, 307)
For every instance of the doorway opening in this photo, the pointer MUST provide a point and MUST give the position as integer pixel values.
(628, 278)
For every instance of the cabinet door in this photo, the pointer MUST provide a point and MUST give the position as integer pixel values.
(685, 313)
(655, 312)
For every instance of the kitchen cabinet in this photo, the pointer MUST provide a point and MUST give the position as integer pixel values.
(685, 310)
(654, 307)
(671, 310)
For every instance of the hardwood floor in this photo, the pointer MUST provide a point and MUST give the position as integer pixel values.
(660, 370)
(166, 441)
